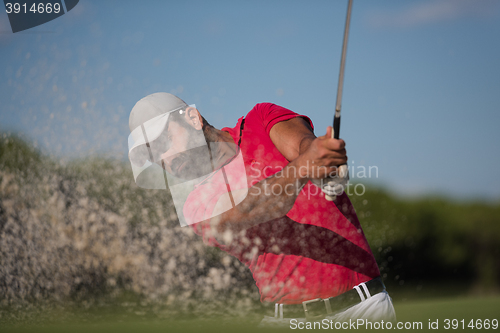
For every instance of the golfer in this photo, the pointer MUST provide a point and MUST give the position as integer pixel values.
(257, 191)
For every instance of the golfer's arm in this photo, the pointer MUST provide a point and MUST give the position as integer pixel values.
(274, 196)
(292, 137)
(269, 199)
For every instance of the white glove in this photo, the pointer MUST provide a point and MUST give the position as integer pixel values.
(333, 186)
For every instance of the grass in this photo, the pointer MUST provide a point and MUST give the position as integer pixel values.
(449, 308)
(423, 311)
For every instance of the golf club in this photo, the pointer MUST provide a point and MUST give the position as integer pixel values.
(342, 170)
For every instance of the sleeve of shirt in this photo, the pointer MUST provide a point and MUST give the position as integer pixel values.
(271, 114)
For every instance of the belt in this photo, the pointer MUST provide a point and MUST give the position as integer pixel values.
(318, 308)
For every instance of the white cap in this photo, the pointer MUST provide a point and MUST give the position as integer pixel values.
(151, 111)
(153, 105)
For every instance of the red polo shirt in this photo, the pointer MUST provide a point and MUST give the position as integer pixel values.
(317, 250)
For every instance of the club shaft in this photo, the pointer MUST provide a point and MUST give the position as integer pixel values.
(336, 118)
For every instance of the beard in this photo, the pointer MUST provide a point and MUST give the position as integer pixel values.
(192, 163)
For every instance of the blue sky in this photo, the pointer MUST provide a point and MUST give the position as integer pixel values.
(421, 95)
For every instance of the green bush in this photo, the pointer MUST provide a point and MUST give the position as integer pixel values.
(432, 238)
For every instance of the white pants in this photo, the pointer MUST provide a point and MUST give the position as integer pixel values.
(376, 308)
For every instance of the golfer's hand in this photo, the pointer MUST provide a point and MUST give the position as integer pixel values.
(322, 158)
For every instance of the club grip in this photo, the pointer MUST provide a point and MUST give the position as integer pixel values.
(336, 128)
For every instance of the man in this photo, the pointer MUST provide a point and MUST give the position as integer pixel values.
(253, 197)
